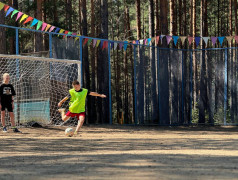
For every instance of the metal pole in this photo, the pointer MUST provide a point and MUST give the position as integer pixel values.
(81, 58)
(225, 87)
(135, 94)
(110, 92)
(191, 86)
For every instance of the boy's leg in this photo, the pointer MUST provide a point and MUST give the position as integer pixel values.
(63, 116)
(12, 118)
(80, 123)
(3, 118)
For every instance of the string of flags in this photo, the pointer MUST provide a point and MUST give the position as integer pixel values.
(43, 26)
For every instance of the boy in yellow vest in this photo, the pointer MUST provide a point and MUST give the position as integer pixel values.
(77, 97)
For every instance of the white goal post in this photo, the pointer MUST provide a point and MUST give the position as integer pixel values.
(40, 83)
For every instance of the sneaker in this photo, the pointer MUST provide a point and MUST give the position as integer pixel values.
(15, 130)
(4, 129)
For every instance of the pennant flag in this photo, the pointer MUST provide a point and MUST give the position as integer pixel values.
(106, 44)
(39, 25)
(221, 39)
(148, 41)
(43, 26)
(9, 11)
(161, 37)
(137, 42)
(61, 32)
(205, 39)
(85, 41)
(236, 39)
(28, 20)
(190, 40)
(120, 46)
(175, 38)
(66, 32)
(157, 39)
(14, 12)
(115, 45)
(89, 41)
(77, 37)
(102, 42)
(112, 44)
(23, 17)
(153, 39)
(214, 39)
(47, 27)
(141, 41)
(1, 5)
(52, 27)
(94, 42)
(134, 42)
(183, 39)
(145, 41)
(57, 30)
(98, 42)
(168, 39)
(19, 15)
(6, 7)
(197, 40)
(126, 44)
(229, 39)
(34, 22)
(73, 34)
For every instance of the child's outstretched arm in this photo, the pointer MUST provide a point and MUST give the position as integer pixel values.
(96, 94)
(62, 101)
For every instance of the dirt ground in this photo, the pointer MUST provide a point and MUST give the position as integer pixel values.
(120, 152)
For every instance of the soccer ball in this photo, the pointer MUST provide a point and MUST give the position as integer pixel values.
(69, 132)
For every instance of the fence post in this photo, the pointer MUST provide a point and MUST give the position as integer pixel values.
(182, 89)
(50, 45)
(135, 94)
(191, 86)
(81, 58)
(158, 76)
(110, 92)
(225, 86)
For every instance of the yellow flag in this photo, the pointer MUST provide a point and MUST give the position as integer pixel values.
(61, 32)
(23, 17)
(1, 5)
(98, 41)
(47, 27)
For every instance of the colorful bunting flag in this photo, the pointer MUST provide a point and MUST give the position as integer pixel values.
(19, 15)
(190, 40)
(77, 37)
(236, 39)
(94, 42)
(34, 22)
(221, 39)
(85, 41)
(14, 12)
(182, 39)
(66, 32)
(61, 32)
(9, 11)
(120, 45)
(52, 28)
(157, 39)
(1, 6)
(57, 30)
(115, 45)
(43, 26)
(205, 39)
(39, 25)
(168, 38)
(229, 39)
(145, 41)
(214, 39)
(197, 40)
(89, 41)
(47, 27)
(175, 38)
(6, 7)
(101, 44)
(28, 20)
(98, 42)
(23, 17)
(126, 44)
(148, 41)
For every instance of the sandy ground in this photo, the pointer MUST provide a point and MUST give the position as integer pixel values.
(120, 152)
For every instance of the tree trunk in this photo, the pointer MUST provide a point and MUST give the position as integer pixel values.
(38, 36)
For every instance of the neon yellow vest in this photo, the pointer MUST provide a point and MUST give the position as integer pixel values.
(77, 100)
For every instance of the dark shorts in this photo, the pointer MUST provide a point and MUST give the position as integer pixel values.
(75, 114)
(7, 106)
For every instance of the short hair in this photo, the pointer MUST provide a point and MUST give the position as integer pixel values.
(75, 82)
(5, 74)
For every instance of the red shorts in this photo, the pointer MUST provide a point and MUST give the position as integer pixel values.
(75, 114)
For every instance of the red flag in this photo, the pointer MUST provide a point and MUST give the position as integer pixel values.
(6, 7)
(66, 32)
(85, 41)
(157, 39)
(28, 20)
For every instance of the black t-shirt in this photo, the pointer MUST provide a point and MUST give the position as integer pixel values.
(6, 93)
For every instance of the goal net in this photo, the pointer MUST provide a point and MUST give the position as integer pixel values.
(40, 83)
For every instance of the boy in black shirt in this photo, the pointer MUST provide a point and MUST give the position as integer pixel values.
(7, 102)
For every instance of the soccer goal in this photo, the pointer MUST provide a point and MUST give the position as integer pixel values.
(40, 83)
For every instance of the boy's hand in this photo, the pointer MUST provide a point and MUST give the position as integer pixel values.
(103, 96)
